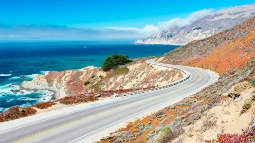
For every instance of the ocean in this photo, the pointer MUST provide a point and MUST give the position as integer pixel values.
(20, 61)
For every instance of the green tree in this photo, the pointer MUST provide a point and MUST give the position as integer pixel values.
(114, 61)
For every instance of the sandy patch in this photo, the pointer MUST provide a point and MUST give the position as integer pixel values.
(224, 118)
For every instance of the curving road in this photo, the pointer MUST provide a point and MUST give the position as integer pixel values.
(86, 123)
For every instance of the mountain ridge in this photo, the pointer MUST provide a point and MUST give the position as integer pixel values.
(203, 27)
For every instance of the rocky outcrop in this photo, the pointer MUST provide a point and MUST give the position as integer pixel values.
(136, 75)
(202, 28)
(69, 82)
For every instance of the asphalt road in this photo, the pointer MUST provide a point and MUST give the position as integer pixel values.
(90, 123)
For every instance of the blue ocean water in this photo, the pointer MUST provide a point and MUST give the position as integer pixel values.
(19, 61)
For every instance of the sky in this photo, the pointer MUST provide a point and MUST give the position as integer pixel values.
(96, 19)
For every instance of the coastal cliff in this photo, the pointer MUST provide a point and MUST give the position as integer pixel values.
(136, 75)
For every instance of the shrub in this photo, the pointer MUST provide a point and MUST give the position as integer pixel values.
(67, 102)
(44, 105)
(101, 77)
(114, 61)
(164, 134)
(96, 86)
(77, 99)
(253, 82)
(123, 70)
(16, 112)
(164, 130)
(247, 104)
(233, 95)
(86, 83)
(232, 138)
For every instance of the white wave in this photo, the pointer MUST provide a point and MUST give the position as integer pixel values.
(27, 98)
(8, 88)
(24, 92)
(44, 72)
(25, 105)
(3, 75)
(31, 76)
(15, 77)
(13, 89)
(47, 95)
(10, 100)
(27, 76)
(2, 109)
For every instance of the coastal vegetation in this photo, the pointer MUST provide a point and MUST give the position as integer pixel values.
(96, 86)
(86, 83)
(114, 61)
(247, 104)
(253, 82)
(16, 112)
(121, 70)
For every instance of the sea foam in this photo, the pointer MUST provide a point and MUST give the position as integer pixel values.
(5, 75)
(47, 95)
(15, 77)
(44, 72)
(13, 90)
(31, 76)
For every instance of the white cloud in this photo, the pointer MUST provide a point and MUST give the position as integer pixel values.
(148, 30)
(180, 22)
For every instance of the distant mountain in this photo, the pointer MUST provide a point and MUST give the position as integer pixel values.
(202, 28)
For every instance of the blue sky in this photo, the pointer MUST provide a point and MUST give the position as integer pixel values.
(100, 14)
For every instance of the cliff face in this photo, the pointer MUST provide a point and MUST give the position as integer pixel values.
(223, 52)
(136, 75)
(202, 28)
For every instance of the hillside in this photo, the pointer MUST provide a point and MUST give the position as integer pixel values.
(225, 51)
(204, 27)
(222, 112)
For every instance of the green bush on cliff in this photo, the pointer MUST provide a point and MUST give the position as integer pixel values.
(97, 85)
(112, 62)
(253, 82)
(247, 104)
(86, 83)
(121, 70)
